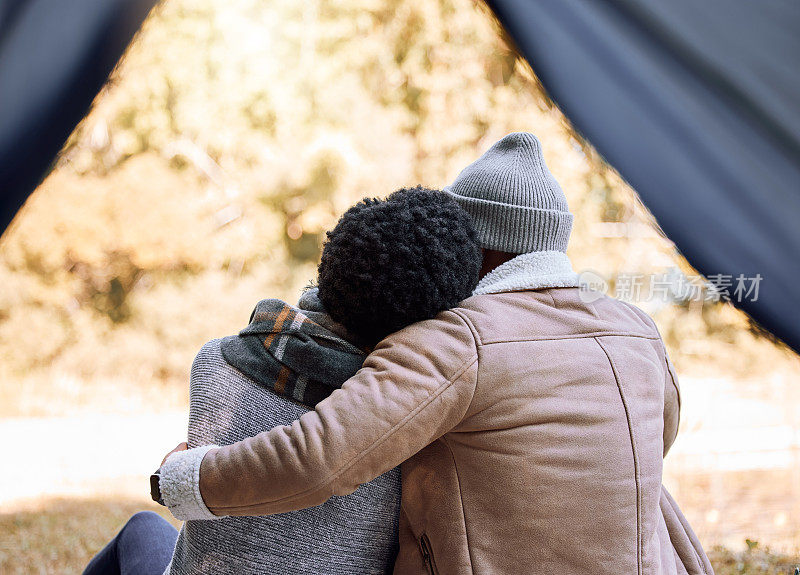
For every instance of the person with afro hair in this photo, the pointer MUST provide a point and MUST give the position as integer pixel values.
(389, 263)
(530, 420)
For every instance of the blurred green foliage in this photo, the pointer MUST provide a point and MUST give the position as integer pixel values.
(230, 138)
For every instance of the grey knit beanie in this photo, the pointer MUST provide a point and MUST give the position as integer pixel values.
(515, 202)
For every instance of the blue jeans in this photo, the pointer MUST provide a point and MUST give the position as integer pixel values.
(143, 546)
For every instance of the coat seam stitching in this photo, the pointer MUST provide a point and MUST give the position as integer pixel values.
(637, 478)
(361, 455)
(476, 340)
(591, 335)
(475, 335)
(461, 500)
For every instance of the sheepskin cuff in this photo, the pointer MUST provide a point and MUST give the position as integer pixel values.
(180, 484)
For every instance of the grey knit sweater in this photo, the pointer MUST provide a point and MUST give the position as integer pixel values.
(356, 534)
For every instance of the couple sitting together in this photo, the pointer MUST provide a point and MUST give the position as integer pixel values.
(446, 401)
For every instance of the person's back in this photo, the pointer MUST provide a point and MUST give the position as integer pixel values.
(557, 461)
(289, 359)
(356, 534)
(530, 420)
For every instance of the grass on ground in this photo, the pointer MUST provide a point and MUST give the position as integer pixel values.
(60, 535)
(753, 560)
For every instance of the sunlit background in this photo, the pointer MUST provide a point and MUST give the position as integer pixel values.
(231, 137)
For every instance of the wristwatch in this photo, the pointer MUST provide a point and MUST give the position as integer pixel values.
(155, 488)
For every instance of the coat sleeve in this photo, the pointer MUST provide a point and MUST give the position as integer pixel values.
(672, 404)
(672, 392)
(415, 386)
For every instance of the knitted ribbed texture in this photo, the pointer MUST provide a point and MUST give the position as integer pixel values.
(515, 202)
(352, 535)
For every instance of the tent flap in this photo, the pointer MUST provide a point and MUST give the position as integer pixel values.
(697, 105)
(55, 57)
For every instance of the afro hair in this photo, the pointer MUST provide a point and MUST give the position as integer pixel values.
(390, 263)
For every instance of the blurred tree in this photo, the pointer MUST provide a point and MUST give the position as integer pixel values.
(232, 136)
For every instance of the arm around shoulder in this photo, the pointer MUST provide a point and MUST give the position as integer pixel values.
(416, 385)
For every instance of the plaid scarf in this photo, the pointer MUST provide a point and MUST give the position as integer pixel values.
(291, 354)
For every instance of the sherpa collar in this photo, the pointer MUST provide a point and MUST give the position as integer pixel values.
(534, 270)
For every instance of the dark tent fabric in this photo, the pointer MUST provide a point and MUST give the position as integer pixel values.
(697, 105)
(55, 57)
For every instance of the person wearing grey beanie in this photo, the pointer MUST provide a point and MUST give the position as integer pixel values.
(520, 214)
(515, 203)
(530, 423)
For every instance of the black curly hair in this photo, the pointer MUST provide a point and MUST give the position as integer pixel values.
(389, 263)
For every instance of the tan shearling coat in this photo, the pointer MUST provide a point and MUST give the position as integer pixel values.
(531, 427)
